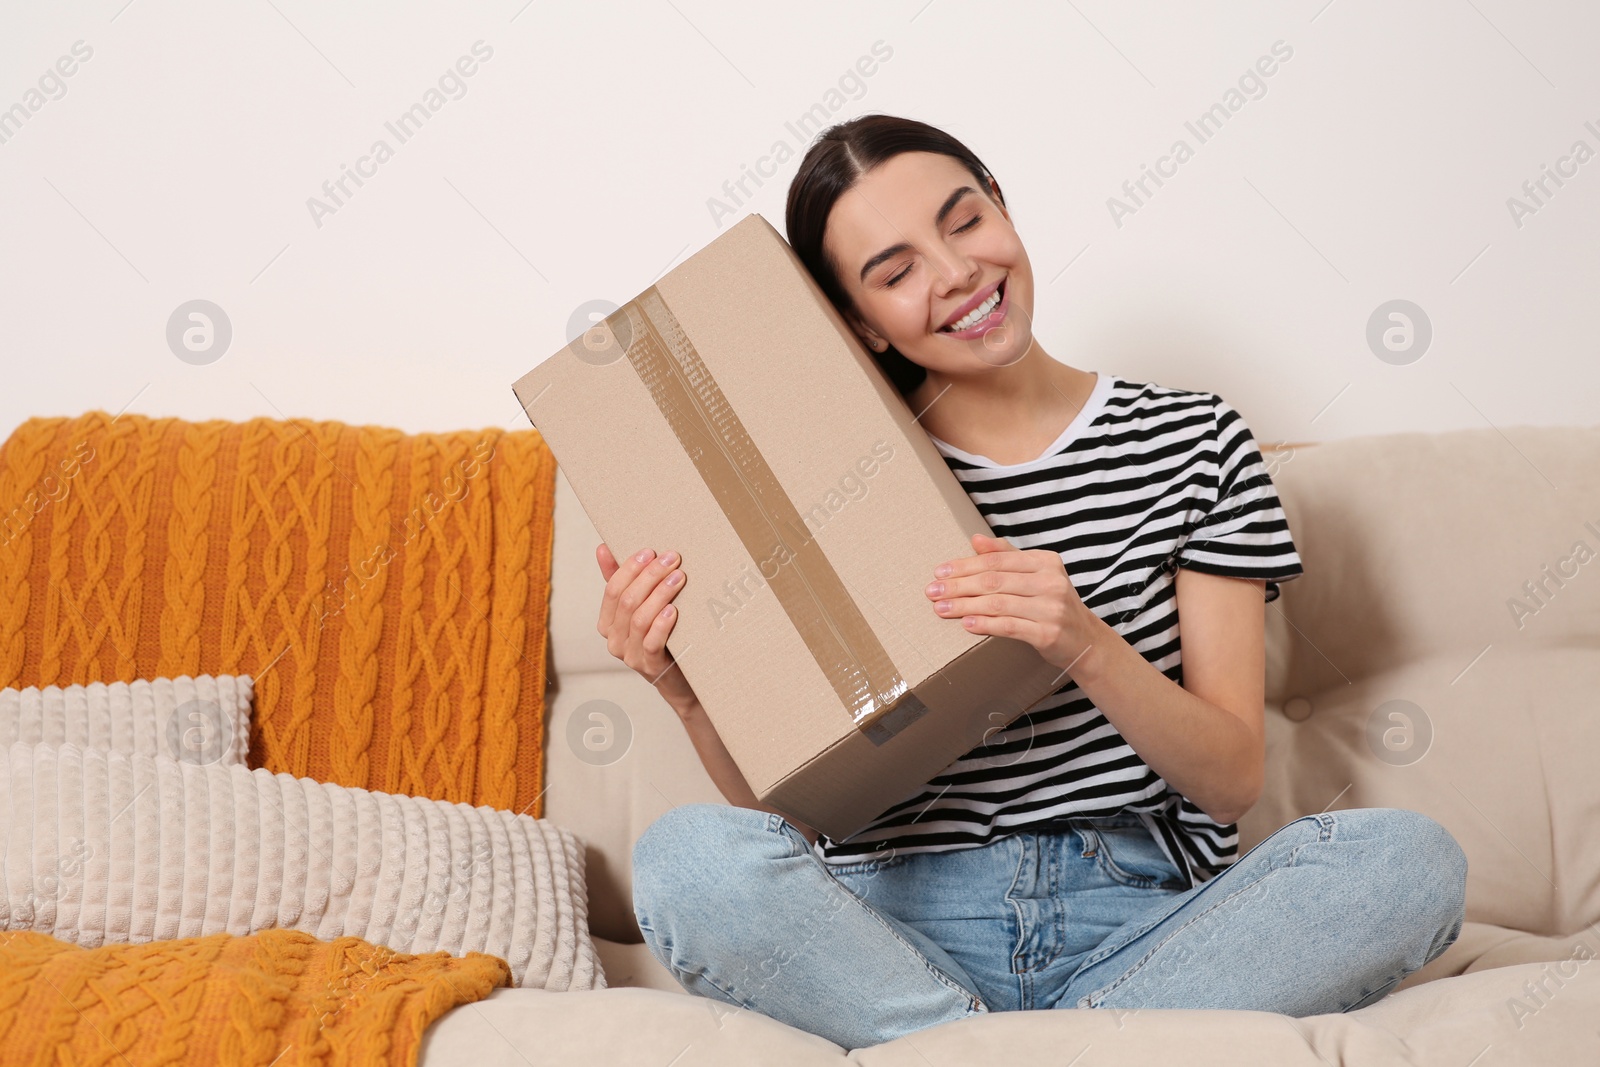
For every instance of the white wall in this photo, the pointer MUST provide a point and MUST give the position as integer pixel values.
(579, 162)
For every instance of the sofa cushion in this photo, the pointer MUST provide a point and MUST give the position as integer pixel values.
(198, 720)
(105, 847)
(1529, 1014)
(1440, 655)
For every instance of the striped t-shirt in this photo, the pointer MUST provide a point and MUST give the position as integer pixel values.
(1144, 480)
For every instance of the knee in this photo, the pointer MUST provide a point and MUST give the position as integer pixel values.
(1440, 868)
(685, 853)
(1426, 857)
(1442, 859)
(1433, 852)
(1444, 850)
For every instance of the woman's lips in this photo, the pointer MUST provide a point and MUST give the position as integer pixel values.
(994, 318)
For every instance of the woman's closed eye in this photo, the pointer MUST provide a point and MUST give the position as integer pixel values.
(892, 282)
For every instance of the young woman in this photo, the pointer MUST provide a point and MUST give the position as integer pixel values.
(1086, 855)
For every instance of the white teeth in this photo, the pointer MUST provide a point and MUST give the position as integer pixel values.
(977, 315)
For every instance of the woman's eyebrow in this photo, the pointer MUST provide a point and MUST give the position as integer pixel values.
(939, 216)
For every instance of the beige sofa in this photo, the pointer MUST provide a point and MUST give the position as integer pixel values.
(1416, 547)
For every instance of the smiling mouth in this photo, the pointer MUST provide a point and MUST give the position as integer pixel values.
(984, 318)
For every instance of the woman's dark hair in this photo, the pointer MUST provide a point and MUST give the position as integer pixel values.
(836, 160)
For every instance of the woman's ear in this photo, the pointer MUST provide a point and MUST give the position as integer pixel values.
(1000, 201)
(867, 335)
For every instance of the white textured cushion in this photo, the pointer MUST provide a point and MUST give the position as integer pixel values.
(197, 720)
(108, 847)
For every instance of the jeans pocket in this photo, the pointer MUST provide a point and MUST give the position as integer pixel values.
(1130, 856)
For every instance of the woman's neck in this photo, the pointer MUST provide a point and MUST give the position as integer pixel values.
(1009, 417)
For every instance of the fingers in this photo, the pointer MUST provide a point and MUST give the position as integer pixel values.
(970, 609)
(635, 594)
(993, 557)
(976, 596)
(616, 584)
(986, 581)
(650, 591)
(986, 543)
(655, 638)
(658, 584)
(956, 607)
(636, 613)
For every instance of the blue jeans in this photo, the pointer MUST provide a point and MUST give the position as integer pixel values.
(1327, 914)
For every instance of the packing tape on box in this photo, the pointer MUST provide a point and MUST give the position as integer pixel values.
(807, 587)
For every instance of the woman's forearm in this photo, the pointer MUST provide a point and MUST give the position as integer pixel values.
(1204, 752)
(720, 766)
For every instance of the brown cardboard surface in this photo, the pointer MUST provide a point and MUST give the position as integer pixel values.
(774, 534)
(810, 509)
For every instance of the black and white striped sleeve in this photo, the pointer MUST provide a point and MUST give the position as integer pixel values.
(1245, 533)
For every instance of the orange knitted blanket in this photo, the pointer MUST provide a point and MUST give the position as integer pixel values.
(278, 997)
(388, 592)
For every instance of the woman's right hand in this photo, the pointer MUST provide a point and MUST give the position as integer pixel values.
(636, 615)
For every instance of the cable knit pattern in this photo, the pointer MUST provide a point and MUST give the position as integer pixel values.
(106, 847)
(388, 592)
(212, 717)
(274, 998)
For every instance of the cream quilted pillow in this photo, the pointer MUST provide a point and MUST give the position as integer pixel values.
(109, 847)
(197, 720)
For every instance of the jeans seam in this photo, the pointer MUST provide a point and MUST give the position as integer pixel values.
(775, 824)
(1116, 872)
(972, 998)
(1324, 833)
(1101, 954)
(1405, 972)
(1452, 938)
(863, 866)
(974, 1002)
(1139, 964)
(1105, 858)
(1365, 993)
(702, 974)
(654, 942)
(1019, 943)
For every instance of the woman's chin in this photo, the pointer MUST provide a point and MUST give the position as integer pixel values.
(1002, 346)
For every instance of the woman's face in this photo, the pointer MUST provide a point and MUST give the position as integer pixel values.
(918, 244)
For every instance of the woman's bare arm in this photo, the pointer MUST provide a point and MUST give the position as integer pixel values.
(720, 766)
(636, 616)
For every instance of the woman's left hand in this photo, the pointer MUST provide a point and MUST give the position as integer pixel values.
(1017, 593)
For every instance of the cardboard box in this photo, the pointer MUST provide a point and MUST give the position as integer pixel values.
(730, 413)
